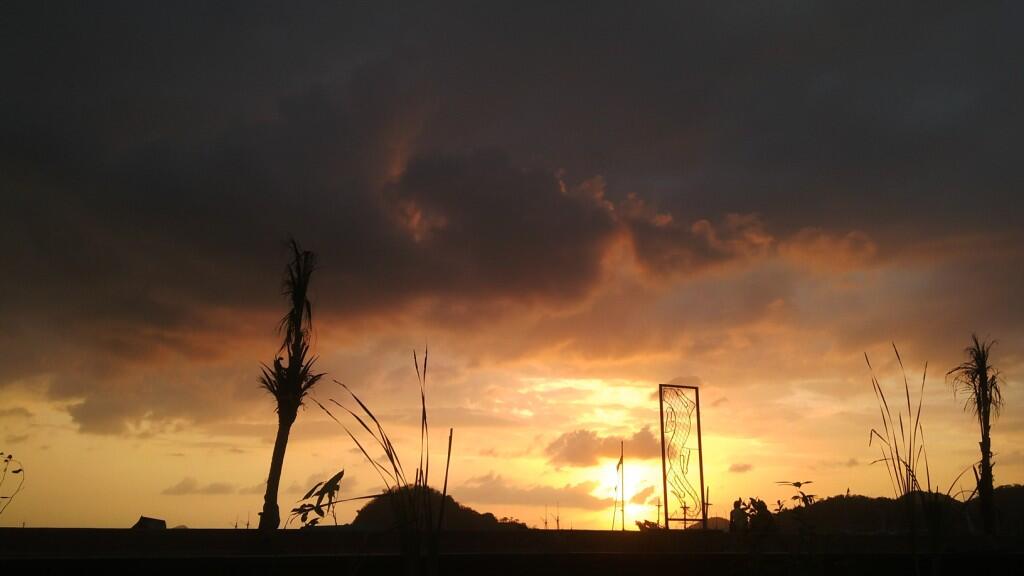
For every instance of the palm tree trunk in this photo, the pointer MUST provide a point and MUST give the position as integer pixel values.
(985, 482)
(270, 518)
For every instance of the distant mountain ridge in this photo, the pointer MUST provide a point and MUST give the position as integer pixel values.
(852, 514)
(863, 514)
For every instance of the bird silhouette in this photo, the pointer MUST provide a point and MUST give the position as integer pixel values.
(796, 485)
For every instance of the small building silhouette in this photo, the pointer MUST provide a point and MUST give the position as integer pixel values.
(147, 523)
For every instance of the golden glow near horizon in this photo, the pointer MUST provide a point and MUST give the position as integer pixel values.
(192, 477)
(539, 399)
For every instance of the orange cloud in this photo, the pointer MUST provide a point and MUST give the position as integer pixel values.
(586, 447)
(822, 250)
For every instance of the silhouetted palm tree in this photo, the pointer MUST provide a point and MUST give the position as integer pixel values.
(289, 383)
(979, 382)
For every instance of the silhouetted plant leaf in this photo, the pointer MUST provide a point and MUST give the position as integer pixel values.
(334, 481)
(312, 490)
(330, 487)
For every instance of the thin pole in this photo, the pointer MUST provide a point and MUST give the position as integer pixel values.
(661, 424)
(622, 482)
(707, 502)
(700, 457)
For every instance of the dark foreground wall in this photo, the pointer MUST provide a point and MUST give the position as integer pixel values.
(533, 553)
(536, 565)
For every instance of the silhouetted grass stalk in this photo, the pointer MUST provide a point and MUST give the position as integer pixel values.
(905, 456)
(901, 452)
(410, 501)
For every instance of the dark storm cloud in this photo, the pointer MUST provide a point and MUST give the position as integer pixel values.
(154, 156)
(664, 245)
(808, 111)
(127, 256)
(482, 226)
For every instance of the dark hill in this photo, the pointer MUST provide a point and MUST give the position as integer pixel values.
(378, 514)
(861, 514)
(836, 515)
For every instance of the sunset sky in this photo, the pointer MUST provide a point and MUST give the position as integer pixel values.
(567, 206)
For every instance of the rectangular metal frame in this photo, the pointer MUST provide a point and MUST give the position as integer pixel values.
(703, 519)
